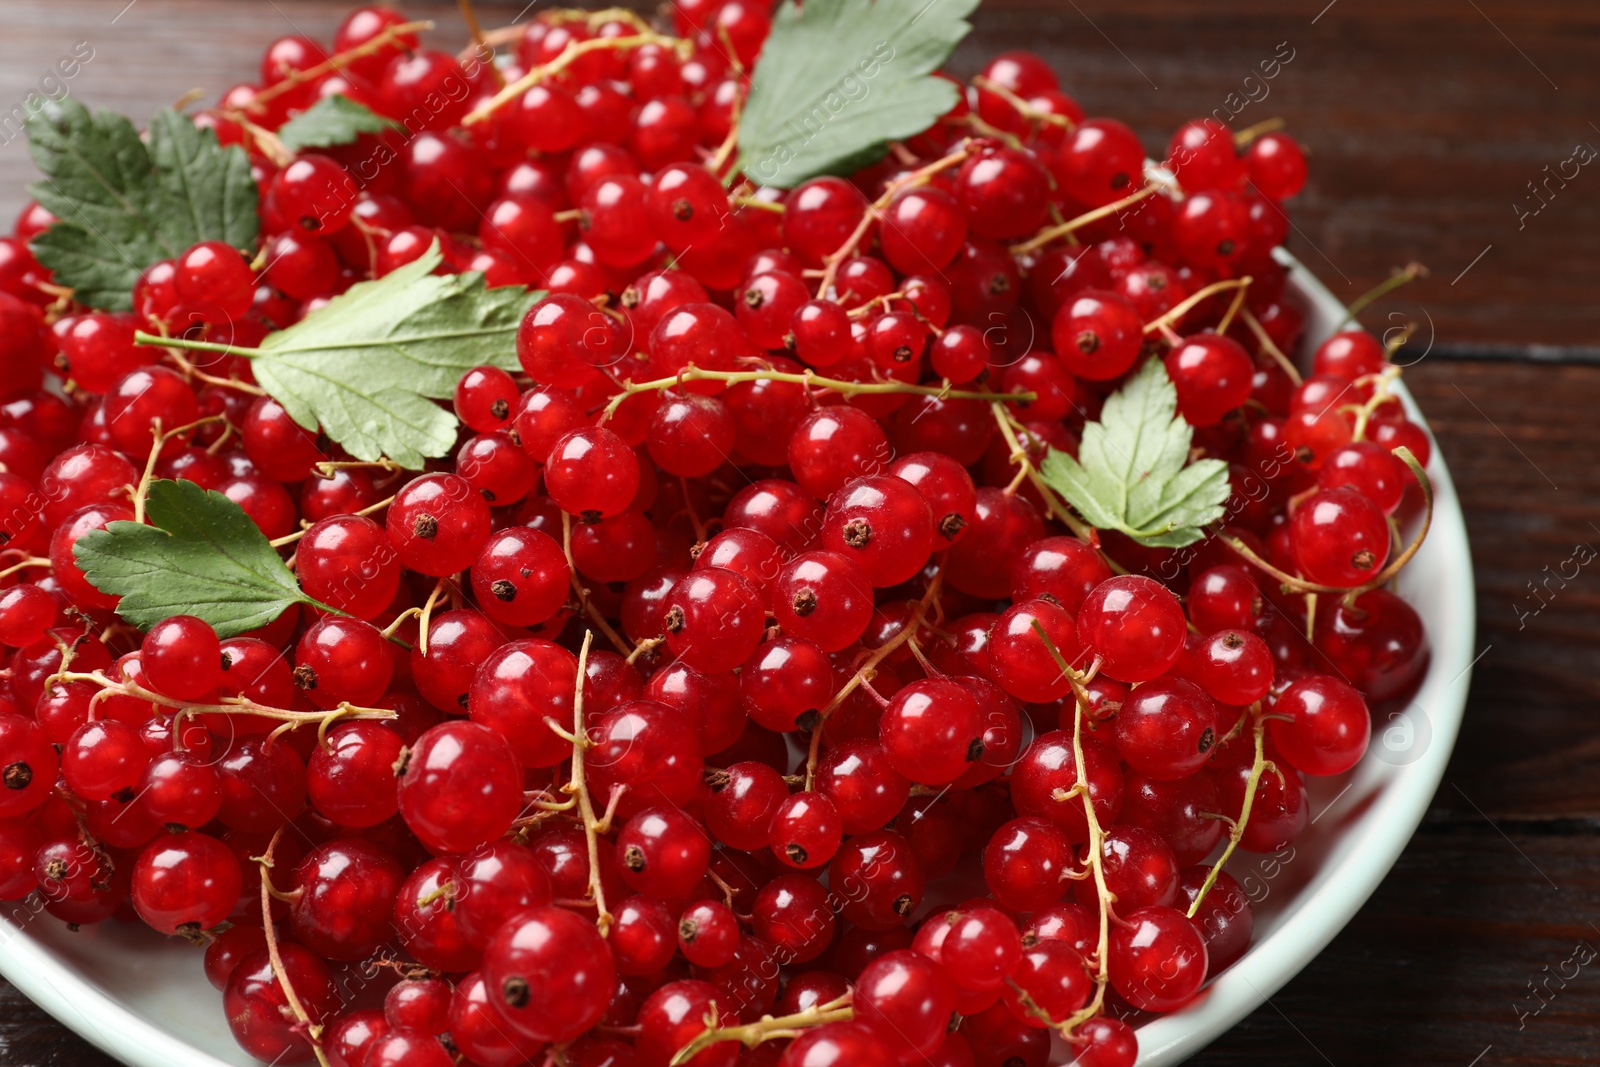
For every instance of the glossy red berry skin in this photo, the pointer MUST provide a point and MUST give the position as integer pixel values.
(839, 1044)
(437, 524)
(1005, 192)
(591, 473)
(549, 974)
(708, 933)
(1212, 375)
(1277, 165)
(1135, 625)
(562, 339)
(1021, 661)
(880, 877)
(820, 216)
(824, 597)
(1100, 161)
(1049, 764)
(784, 681)
(348, 562)
(258, 1010)
(347, 895)
(794, 914)
(1097, 335)
(1340, 538)
(675, 1015)
(906, 999)
(1024, 863)
(739, 811)
(1166, 729)
(518, 686)
(650, 747)
(460, 787)
(835, 444)
(932, 731)
(351, 780)
(806, 830)
(28, 764)
(1163, 959)
(520, 577)
(1328, 725)
(884, 524)
(713, 620)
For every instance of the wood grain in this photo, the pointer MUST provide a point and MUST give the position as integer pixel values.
(1426, 122)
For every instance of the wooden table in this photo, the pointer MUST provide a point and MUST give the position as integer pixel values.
(1426, 125)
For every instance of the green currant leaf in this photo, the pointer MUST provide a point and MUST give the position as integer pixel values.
(201, 555)
(123, 205)
(368, 365)
(333, 120)
(839, 79)
(1133, 472)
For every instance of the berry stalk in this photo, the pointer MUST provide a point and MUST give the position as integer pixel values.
(766, 1028)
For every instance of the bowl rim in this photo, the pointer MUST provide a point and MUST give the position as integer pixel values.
(1318, 913)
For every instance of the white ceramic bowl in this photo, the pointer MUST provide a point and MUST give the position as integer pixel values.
(144, 1000)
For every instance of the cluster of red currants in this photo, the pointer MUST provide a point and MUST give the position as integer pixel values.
(883, 748)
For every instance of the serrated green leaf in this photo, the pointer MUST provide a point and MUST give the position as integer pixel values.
(123, 205)
(838, 79)
(367, 365)
(333, 120)
(201, 555)
(1133, 472)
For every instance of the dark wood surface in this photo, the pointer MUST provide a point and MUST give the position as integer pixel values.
(1426, 122)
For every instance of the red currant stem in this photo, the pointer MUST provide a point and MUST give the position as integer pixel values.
(191, 371)
(570, 215)
(313, 1030)
(647, 645)
(1242, 138)
(269, 144)
(1058, 510)
(142, 338)
(159, 441)
(1292, 584)
(689, 510)
(1021, 106)
(1269, 346)
(569, 55)
(1096, 845)
(444, 891)
(1236, 827)
(224, 706)
(830, 265)
(758, 204)
(426, 615)
(766, 1028)
(1181, 309)
(376, 44)
(326, 468)
(1060, 230)
(692, 373)
(370, 509)
(864, 673)
(595, 616)
(1381, 391)
(866, 309)
(577, 786)
(730, 143)
(480, 47)
(1395, 340)
(1233, 310)
(1409, 273)
(994, 133)
(28, 561)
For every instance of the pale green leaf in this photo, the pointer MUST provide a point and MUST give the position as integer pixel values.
(1132, 472)
(367, 366)
(122, 205)
(839, 79)
(333, 120)
(201, 555)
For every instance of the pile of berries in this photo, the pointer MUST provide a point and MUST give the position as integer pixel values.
(737, 663)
